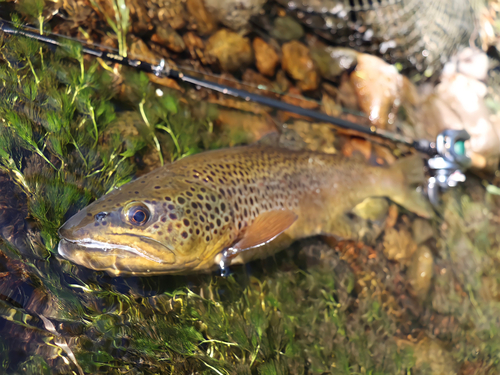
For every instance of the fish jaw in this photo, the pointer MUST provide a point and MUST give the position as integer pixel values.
(117, 259)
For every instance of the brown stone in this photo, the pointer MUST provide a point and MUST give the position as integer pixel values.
(378, 86)
(205, 22)
(266, 57)
(168, 37)
(245, 127)
(298, 64)
(231, 50)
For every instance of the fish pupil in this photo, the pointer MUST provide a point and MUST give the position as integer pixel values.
(138, 215)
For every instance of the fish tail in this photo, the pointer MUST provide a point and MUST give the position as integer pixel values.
(407, 194)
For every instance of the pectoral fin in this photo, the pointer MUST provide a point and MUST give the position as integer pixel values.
(265, 228)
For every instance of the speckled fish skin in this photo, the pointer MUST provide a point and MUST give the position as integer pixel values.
(202, 204)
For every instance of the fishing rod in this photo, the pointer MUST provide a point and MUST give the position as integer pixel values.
(447, 162)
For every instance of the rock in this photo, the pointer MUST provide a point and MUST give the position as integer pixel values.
(266, 57)
(458, 102)
(168, 12)
(430, 357)
(282, 81)
(420, 271)
(204, 22)
(332, 62)
(329, 106)
(316, 136)
(377, 85)
(286, 29)
(298, 64)
(372, 209)
(234, 14)
(245, 127)
(230, 49)
(398, 245)
(168, 37)
(421, 230)
(195, 46)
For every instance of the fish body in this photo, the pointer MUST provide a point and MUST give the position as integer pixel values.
(244, 202)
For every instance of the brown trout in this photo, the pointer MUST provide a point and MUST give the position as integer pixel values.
(230, 206)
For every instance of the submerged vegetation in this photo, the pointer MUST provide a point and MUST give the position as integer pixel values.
(72, 129)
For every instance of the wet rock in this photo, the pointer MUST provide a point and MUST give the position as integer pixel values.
(266, 57)
(421, 230)
(377, 86)
(420, 271)
(195, 46)
(204, 22)
(245, 127)
(230, 50)
(345, 94)
(168, 12)
(234, 14)
(330, 107)
(332, 62)
(286, 29)
(458, 102)
(78, 11)
(316, 136)
(282, 81)
(398, 245)
(372, 209)
(168, 37)
(431, 357)
(298, 64)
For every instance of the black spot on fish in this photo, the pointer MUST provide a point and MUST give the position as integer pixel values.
(89, 214)
(223, 207)
(186, 222)
(103, 223)
(202, 218)
(157, 187)
(163, 219)
(189, 194)
(168, 199)
(218, 222)
(156, 226)
(181, 200)
(170, 206)
(200, 197)
(184, 235)
(208, 206)
(197, 231)
(136, 192)
(173, 216)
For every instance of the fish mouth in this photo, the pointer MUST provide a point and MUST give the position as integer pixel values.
(115, 259)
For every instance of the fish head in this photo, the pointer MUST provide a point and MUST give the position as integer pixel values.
(148, 229)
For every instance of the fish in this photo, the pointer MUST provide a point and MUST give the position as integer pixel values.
(230, 206)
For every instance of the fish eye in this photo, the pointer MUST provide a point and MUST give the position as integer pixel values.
(138, 215)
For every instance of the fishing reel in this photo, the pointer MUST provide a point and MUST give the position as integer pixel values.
(449, 164)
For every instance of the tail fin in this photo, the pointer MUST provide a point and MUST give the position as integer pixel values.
(406, 195)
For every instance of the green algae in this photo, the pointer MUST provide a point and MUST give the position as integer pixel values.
(65, 140)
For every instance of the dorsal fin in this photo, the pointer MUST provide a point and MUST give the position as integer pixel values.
(265, 228)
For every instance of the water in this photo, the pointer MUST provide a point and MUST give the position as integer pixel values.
(421, 297)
